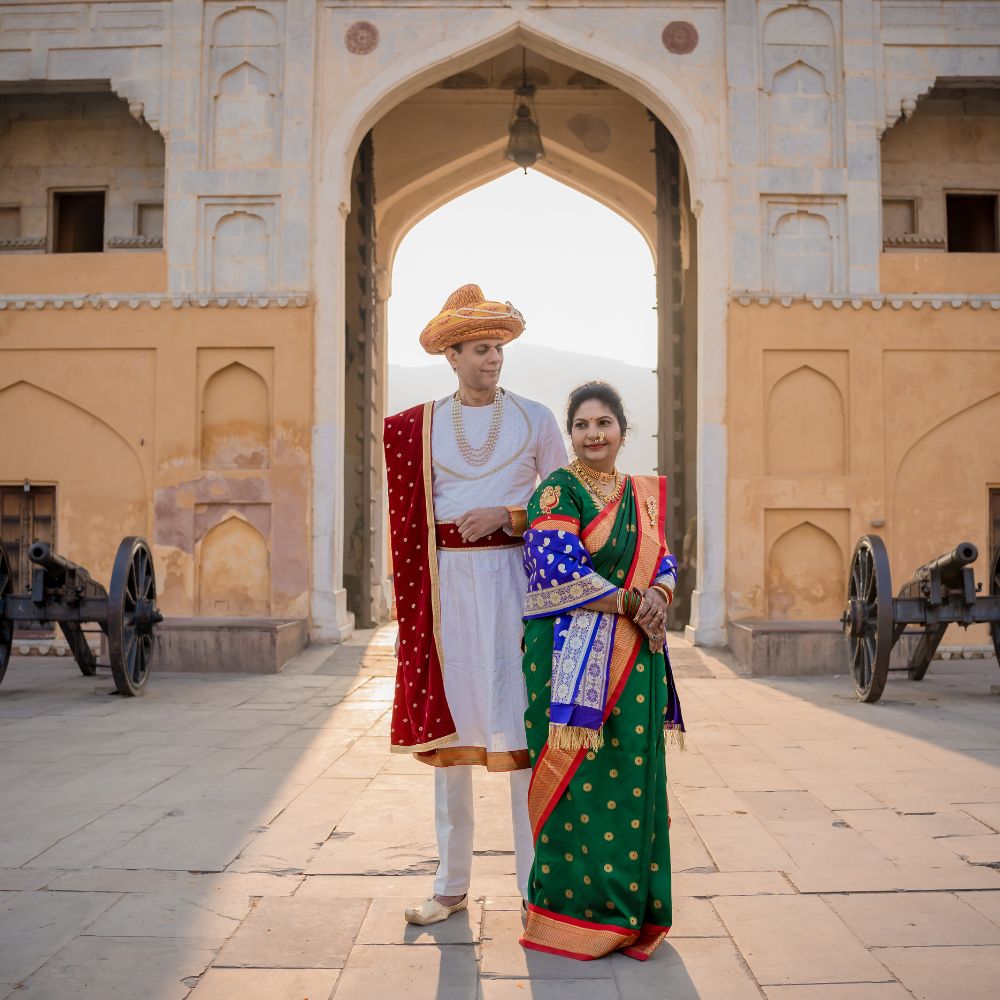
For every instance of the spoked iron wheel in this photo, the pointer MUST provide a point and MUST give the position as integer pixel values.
(995, 592)
(868, 618)
(6, 625)
(132, 615)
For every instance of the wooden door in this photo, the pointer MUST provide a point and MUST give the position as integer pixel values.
(27, 514)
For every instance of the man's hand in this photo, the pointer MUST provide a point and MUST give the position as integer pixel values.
(482, 521)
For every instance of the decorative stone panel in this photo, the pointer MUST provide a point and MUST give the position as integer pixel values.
(804, 244)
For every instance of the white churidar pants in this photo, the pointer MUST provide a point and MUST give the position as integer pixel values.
(454, 815)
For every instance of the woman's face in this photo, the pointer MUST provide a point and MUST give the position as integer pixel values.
(596, 435)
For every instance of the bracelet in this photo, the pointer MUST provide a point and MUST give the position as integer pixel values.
(668, 594)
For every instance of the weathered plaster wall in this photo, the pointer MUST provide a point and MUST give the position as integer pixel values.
(77, 141)
(851, 420)
(951, 144)
(186, 421)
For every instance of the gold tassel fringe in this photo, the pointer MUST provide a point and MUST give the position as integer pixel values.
(575, 737)
(675, 737)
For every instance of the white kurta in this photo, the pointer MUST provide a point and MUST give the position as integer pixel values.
(482, 590)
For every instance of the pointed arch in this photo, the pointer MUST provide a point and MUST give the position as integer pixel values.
(805, 398)
(235, 419)
(234, 570)
(805, 574)
(100, 481)
(404, 77)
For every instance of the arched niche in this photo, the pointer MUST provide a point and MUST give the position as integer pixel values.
(235, 420)
(799, 61)
(100, 487)
(805, 575)
(800, 120)
(801, 251)
(245, 26)
(244, 119)
(234, 571)
(806, 426)
(241, 253)
(244, 85)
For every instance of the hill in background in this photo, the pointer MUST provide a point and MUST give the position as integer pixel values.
(547, 375)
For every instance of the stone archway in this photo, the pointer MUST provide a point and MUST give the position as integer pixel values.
(465, 42)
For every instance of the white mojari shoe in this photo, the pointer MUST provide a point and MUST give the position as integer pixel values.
(430, 911)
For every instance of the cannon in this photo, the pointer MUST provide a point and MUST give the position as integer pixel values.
(942, 592)
(66, 593)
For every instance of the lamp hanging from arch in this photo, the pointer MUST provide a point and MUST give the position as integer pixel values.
(524, 143)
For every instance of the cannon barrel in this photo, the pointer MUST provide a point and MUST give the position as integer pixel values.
(55, 565)
(950, 565)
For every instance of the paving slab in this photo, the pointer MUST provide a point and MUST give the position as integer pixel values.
(155, 915)
(945, 973)
(840, 991)
(375, 972)
(292, 933)
(686, 969)
(503, 957)
(266, 984)
(96, 968)
(36, 925)
(796, 939)
(913, 918)
(986, 903)
(385, 924)
(548, 989)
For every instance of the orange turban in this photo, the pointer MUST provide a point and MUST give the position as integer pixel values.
(467, 315)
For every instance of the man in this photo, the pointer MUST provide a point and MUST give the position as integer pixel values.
(460, 473)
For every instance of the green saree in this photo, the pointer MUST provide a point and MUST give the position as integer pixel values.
(601, 877)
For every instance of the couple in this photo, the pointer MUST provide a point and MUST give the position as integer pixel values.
(576, 711)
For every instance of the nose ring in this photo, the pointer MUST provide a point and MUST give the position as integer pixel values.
(600, 437)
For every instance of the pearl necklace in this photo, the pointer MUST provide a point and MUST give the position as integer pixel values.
(591, 479)
(477, 456)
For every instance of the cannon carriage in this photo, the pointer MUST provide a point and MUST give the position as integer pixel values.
(63, 592)
(942, 592)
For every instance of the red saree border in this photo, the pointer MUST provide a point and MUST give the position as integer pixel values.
(556, 522)
(602, 520)
(554, 769)
(587, 940)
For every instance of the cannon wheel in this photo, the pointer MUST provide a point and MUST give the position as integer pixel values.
(6, 625)
(995, 592)
(131, 603)
(869, 617)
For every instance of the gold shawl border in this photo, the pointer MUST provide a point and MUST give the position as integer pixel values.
(492, 760)
(432, 563)
(551, 600)
(417, 748)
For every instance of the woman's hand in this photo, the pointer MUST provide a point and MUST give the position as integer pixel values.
(652, 618)
(482, 521)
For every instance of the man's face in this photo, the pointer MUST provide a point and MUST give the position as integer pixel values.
(478, 363)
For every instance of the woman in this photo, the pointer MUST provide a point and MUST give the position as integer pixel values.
(600, 694)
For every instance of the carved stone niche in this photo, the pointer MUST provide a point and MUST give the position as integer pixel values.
(804, 248)
(244, 75)
(799, 62)
(239, 244)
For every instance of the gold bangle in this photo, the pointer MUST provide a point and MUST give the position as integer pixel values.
(668, 594)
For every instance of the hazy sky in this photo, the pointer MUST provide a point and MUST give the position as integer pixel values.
(581, 275)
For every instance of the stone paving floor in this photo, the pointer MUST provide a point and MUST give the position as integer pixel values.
(244, 837)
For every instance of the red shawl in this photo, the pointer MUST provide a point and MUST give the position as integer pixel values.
(421, 720)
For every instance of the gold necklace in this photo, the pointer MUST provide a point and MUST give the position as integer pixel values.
(477, 457)
(586, 475)
(602, 477)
